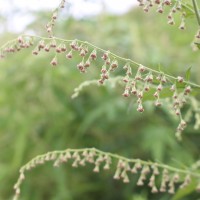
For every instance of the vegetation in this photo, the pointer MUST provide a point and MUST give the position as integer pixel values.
(38, 114)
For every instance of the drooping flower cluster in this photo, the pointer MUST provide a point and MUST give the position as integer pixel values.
(140, 81)
(174, 6)
(50, 25)
(149, 173)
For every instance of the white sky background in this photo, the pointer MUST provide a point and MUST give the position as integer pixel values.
(78, 8)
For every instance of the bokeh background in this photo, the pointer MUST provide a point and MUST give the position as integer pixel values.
(37, 113)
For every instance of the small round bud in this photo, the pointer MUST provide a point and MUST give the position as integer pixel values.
(187, 89)
(54, 61)
(126, 93)
(87, 63)
(73, 45)
(69, 55)
(156, 94)
(141, 68)
(41, 45)
(157, 1)
(147, 88)
(134, 91)
(140, 108)
(158, 103)
(180, 79)
(126, 79)
(173, 88)
(154, 189)
(160, 87)
(177, 111)
(54, 16)
(140, 95)
(35, 52)
(167, 2)
(105, 56)
(171, 21)
(160, 9)
(47, 48)
(82, 53)
(58, 49)
(20, 39)
(108, 61)
(81, 67)
(63, 48)
(93, 55)
(53, 44)
(114, 65)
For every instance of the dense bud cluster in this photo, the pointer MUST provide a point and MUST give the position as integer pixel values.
(150, 173)
(51, 23)
(139, 80)
(162, 5)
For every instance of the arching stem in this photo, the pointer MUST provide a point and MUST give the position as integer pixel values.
(196, 9)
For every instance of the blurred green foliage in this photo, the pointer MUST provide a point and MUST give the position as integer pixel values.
(38, 115)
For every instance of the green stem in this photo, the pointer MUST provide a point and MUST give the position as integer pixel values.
(115, 156)
(103, 51)
(196, 9)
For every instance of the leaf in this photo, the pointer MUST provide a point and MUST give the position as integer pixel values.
(188, 9)
(188, 73)
(197, 44)
(184, 192)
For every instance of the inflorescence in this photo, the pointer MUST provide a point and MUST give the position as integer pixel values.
(138, 79)
(171, 6)
(150, 173)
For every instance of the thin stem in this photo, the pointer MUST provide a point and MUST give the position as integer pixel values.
(196, 9)
(103, 51)
(115, 156)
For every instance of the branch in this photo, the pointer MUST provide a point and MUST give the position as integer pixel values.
(170, 176)
(196, 9)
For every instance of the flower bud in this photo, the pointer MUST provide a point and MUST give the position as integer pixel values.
(114, 65)
(156, 94)
(141, 68)
(154, 189)
(180, 79)
(47, 48)
(187, 90)
(105, 56)
(81, 67)
(157, 1)
(20, 39)
(160, 9)
(173, 87)
(160, 87)
(82, 53)
(41, 45)
(53, 44)
(167, 2)
(93, 55)
(54, 16)
(126, 93)
(69, 55)
(87, 63)
(140, 95)
(140, 108)
(54, 61)
(158, 103)
(147, 88)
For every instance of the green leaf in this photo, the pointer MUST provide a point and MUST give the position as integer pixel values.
(184, 192)
(188, 73)
(188, 9)
(197, 44)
